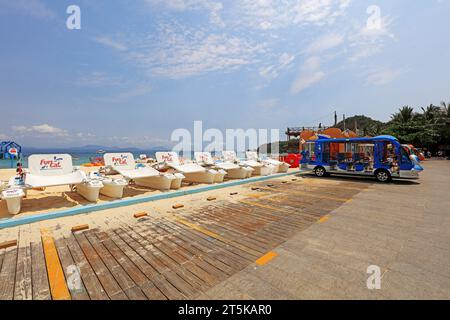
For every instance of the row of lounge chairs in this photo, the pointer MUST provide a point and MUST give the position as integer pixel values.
(120, 169)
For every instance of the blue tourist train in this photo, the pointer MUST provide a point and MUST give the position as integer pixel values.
(382, 157)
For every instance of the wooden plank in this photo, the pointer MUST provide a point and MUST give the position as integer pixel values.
(186, 281)
(91, 283)
(214, 232)
(107, 280)
(173, 277)
(140, 215)
(158, 280)
(202, 254)
(202, 260)
(56, 278)
(147, 287)
(8, 244)
(231, 237)
(8, 274)
(135, 293)
(69, 267)
(238, 224)
(225, 253)
(80, 228)
(314, 195)
(228, 255)
(23, 286)
(119, 274)
(179, 255)
(41, 288)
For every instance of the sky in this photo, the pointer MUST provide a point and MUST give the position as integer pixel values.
(139, 69)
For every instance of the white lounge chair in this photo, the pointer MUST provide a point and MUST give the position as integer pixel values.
(205, 160)
(192, 171)
(233, 171)
(278, 166)
(230, 158)
(261, 169)
(283, 167)
(50, 170)
(53, 170)
(112, 187)
(124, 164)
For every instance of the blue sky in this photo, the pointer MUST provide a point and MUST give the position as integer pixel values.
(138, 69)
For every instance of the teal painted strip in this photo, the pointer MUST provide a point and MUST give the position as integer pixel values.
(13, 222)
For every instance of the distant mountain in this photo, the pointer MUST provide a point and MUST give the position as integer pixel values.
(93, 149)
(366, 125)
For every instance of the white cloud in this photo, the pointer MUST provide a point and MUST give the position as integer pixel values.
(283, 63)
(383, 77)
(275, 14)
(325, 43)
(178, 52)
(98, 79)
(310, 73)
(251, 39)
(43, 129)
(213, 8)
(108, 42)
(85, 136)
(370, 41)
(139, 90)
(3, 136)
(34, 8)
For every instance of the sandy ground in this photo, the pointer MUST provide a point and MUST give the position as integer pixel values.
(61, 198)
(110, 218)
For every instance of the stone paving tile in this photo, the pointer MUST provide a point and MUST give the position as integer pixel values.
(397, 286)
(227, 291)
(257, 289)
(429, 261)
(431, 278)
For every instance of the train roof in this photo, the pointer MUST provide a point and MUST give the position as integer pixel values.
(346, 140)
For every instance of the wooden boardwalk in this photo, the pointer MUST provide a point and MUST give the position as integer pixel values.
(173, 257)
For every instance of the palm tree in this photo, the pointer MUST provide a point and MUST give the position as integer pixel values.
(404, 115)
(431, 113)
(446, 108)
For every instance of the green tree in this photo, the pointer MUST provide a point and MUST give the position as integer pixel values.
(404, 115)
(417, 129)
(431, 113)
(446, 109)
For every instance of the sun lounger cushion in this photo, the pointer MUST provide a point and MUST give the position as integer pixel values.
(172, 160)
(36, 181)
(252, 163)
(274, 162)
(139, 173)
(189, 168)
(125, 165)
(227, 166)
